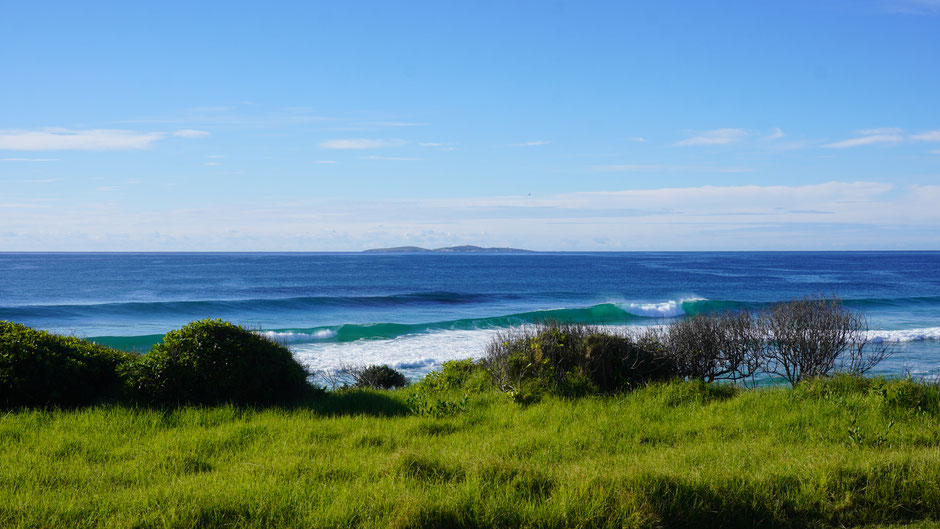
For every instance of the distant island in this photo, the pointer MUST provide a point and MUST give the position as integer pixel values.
(449, 249)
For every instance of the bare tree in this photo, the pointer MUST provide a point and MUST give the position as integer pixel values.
(863, 353)
(813, 337)
(714, 346)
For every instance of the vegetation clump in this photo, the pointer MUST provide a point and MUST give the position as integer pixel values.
(212, 362)
(793, 341)
(38, 368)
(464, 375)
(379, 377)
(571, 360)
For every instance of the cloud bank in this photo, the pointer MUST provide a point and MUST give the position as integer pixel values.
(57, 139)
(827, 216)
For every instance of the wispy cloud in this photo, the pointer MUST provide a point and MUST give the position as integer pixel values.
(530, 143)
(913, 7)
(390, 158)
(396, 124)
(833, 215)
(931, 135)
(55, 139)
(324, 161)
(775, 134)
(360, 144)
(31, 160)
(637, 139)
(191, 133)
(715, 137)
(216, 156)
(628, 167)
(870, 137)
(664, 167)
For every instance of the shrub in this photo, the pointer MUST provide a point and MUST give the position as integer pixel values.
(38, 368)
(617, 362)
(211, 362)
(572, 359)
(467, 375)
(816, 336)
(710, 347)
(379, 377)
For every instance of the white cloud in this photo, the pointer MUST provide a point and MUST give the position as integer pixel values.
(390, 158)
(430, 144)
(931, 135)
(662, 167)
(832, 215)
(396, 124)
(191, 133)
(53, 139)
(935, 151)
(216, 156)
(360, 143)
(33, 160)
(870, 137)
(213, 163)
(530, 143)
(638, 139)
(715, 137)
(775, 134)
(913, 7)
(629, 167)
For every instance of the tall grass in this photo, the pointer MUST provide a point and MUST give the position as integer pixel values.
(842, 452)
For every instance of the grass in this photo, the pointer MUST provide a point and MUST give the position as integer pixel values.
(677, 454)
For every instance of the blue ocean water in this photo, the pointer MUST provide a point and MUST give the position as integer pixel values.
(414, 311)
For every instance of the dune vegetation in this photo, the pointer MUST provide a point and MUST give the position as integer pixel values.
(557, 426)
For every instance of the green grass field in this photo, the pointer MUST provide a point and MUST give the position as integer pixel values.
(843, 453)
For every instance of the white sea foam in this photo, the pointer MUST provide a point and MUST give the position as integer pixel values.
(415, 354)
(664, 309)
(905, 335)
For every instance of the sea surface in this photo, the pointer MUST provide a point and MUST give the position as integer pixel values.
(414, 311)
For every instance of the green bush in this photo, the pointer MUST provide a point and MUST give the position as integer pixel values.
(573, 360)
(38, 368)
(466, 375)
(211, 362)
(379, 377)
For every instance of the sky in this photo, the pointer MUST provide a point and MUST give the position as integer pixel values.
(582, 125)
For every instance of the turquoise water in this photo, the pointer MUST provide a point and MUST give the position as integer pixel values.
(414, 311)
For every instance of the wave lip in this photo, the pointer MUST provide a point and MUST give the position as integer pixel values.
(299, 337)
(663, 309)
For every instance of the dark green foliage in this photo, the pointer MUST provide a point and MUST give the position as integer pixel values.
(210, 362)
(573, 360)
(616, 362)
(380, 377)
(38, 368)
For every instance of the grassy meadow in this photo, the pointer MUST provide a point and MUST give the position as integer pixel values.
(837, 453)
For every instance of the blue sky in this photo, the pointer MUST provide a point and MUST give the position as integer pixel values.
(333, 126)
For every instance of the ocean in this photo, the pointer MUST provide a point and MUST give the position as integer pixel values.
(414, 311)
